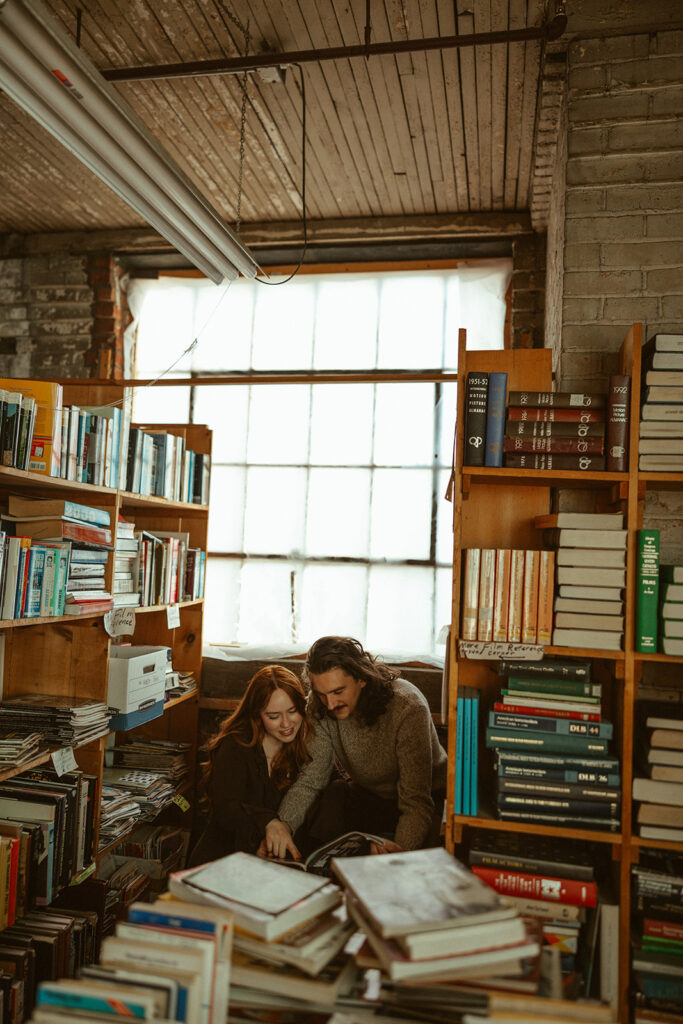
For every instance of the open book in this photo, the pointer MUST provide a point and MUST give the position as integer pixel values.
(351, 844)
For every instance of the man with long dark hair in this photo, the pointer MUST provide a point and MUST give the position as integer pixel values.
(377, 730)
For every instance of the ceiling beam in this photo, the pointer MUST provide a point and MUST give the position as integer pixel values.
(265, 235)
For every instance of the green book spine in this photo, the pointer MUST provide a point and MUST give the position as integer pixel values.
(647, 575)
(555, 686)
(512, 739)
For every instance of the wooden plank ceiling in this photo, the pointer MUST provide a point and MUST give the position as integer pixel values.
(410, 135)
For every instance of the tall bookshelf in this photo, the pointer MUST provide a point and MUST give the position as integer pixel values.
(69, 655)
(494, 507)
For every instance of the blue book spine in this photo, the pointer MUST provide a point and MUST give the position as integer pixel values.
(137, 915)
(559, 726)
(474, 789)
(459, 760)
(86, 514)
(467, 753)
(495, 419)
(116, 453)
(21, 581)
(36, 568)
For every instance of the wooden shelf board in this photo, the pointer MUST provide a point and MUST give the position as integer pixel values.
(41, 482)
(41, 759)
(175, 701)
(658, 657)
(535, 828)
(585, 652)
(663, 479)
(144, 608)
(540, 477)
(151, 501)
(656, 844)
(40, 620)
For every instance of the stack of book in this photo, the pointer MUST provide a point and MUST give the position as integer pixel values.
(659, 783)
(66, 721)
(657, 946)
(590, 559)
(163, 756)
(467, 752)
(532, 442)
(660, 448)
(151, 790)
(18, 748)
(507, 595)
(119, 813)
(126, 554)
(427, 917)
(671, 609)
(287, 939)
(552, 747)
(554, 882)
(169, 961)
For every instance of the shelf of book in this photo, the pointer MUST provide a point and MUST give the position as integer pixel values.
(482, 820)
(508, 476)
(131, 500)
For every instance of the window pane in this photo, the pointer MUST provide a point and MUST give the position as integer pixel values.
(283, 326)
(448, 408)
(341, 424)
(400, 613)
(222, 600)
(411, 321)
(279, 423)
(165, 326)
(161, 404)
(224, 410)
(401, 513)
(226, 508)
(404, 425)
(274, 514)
(444, 521)
(346, 324)
(266, 602)
(338, 507)
(223, 324)
(333, 601)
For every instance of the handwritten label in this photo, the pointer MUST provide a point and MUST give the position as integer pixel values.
(172, 616)
(181, 802)
(64, 760)
(479, 650)
(120, 622)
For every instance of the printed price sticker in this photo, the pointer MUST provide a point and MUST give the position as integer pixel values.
(181, 802)
(64, 760)
(120, 622)
(172, 616)
(480, 650)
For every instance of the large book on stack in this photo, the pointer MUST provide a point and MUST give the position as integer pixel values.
(552, 747)
(670, 610)
(591, 555)
(658, 783)
(657, 935)
(125, 589)
(660, 448)
(528, 447)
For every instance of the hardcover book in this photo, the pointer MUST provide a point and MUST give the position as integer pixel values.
(618, 405)
(556, 400)
(495, 419)
(475, 419)
(647, 593)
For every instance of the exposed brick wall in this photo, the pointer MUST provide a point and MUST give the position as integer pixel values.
(528, 292)
(623, 222)
(61, 316)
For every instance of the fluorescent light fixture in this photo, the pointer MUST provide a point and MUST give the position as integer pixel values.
(45, 73)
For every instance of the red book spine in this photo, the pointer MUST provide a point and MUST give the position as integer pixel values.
(86, 533)
(539, 887)
(663, 929)
(556, 415)
(573, 445)
(519, 709)
(619, 400)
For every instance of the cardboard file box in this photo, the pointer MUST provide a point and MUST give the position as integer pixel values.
(137, 683)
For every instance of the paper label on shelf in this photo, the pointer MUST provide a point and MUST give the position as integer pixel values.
(172, 616)
(120, 622)
(181, 802)
(478, 649)
(64, 760)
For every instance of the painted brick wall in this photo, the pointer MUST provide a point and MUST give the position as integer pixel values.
(623, 218)
(528, 292)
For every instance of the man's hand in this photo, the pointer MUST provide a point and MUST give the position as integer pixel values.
(279, 840)
(388, 846)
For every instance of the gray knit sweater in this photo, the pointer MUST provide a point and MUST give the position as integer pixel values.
(398, 758)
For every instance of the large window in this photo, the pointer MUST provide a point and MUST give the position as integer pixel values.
(327, 501)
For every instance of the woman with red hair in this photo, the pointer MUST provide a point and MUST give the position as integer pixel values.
(253, 760)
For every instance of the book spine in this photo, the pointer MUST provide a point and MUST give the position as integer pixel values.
(501, 599)
(647, 591)
(530, 597)
(557, 668)
(560, 445)
(487, 583)
(546, 460)
(459, 751)
(555, 415)
(528, 865)
(663, 929)
(475, 419)
(559, 726)
(589, 775)
(568, 790)
(618, 404)
(523, 709)
(474, 780)
(542, 887)
(552, 429)
(557, 399)
(576, 745)
(470, 593)
(516, 591)
(546, 590)
(495, 419)
(569, 687)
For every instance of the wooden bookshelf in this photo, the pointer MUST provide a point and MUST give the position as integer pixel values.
(495, 508)
(69, 655)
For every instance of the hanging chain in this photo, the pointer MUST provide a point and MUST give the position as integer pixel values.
(244, 29)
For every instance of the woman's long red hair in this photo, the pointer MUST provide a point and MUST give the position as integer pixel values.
(246, 725)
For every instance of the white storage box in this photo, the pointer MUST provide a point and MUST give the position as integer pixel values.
(137, 678)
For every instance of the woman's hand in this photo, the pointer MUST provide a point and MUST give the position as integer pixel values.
(388, 846)
(279, 840)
